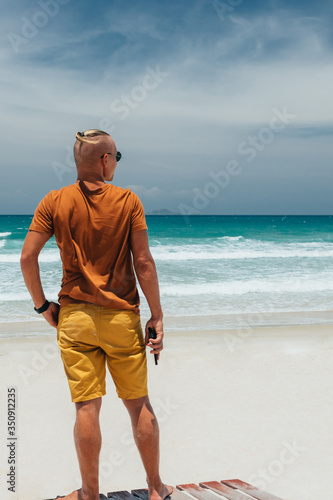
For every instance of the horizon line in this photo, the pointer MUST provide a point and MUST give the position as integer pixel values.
(204, 215)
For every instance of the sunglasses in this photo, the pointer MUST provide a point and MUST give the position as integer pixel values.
(117, 154)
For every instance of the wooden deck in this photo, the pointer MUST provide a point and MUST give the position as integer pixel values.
(229, 489)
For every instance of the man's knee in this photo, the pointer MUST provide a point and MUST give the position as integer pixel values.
(135, 405)
(137, 402)
(91, 406)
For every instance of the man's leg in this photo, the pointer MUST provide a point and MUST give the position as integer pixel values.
(146, 436)
(87, 436)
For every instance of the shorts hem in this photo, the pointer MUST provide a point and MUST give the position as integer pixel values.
(88, 398)
(133, 395)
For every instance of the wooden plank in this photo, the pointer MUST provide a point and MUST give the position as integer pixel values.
(250, 490)
(142, 494)
(121, 495)
(101, 497)
(179, 495)
(196, 491)
(224, 490)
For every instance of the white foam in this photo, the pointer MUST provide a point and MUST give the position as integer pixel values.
(25, 296)
(246, 249)
(11, 297)
(230, 238)
(43, 257)
(51, 257)
(225, 248)
(250, 286)
(5, 234)
(237, 254)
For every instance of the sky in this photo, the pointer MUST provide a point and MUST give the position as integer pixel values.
(218, 107)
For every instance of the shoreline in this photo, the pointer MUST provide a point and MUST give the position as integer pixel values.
(182, 325)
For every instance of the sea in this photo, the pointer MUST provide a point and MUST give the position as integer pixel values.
(216, 272)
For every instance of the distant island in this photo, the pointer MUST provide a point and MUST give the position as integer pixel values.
(162, 211)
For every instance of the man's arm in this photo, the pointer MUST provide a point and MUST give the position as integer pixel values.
(145, 269)
(33, 244)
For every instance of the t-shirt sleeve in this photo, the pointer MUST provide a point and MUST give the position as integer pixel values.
(43, 218)
(138, 220)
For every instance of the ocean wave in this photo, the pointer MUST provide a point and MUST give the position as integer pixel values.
(214, 254)
(23, 296)
(245, 249)
(18, 296)
(202, 253)
(250, 286)
(230, 238)
(5, 234)
(43, 257)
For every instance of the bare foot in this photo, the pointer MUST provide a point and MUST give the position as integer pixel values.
(76, 495)
(160, 494)
(72, 496)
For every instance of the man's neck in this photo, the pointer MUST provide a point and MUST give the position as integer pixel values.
(91, 185)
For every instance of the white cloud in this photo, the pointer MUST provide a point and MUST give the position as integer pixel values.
(148, 193)
(220, 87)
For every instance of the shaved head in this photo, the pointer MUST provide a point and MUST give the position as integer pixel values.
(89, 148)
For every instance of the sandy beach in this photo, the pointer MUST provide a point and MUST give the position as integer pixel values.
(252, 404)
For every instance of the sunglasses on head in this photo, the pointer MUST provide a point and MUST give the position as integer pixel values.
(117, 154)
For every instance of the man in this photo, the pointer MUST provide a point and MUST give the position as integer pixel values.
(99, 229)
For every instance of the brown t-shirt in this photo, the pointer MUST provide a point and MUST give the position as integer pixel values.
(92, 230)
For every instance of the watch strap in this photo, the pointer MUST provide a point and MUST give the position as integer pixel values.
(43, 308)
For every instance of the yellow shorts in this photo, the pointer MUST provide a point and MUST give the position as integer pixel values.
(90, 335)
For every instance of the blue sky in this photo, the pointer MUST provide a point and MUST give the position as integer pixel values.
(217, 106)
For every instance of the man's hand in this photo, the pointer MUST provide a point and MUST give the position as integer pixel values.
(156, 344)
(51, 314)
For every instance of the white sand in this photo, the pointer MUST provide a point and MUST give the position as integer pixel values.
(256, 407)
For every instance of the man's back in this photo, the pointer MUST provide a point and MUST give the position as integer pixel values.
(92, 230)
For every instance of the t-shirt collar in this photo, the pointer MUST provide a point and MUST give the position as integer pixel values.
(80, 184)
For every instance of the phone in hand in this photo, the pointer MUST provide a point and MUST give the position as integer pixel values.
(153, 335)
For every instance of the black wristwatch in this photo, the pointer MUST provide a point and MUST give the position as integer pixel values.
(42, 309)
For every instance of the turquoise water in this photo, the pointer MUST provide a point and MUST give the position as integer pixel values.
(226, 271)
